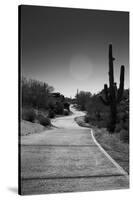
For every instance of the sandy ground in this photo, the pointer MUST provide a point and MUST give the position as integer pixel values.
(30, 128)
(66, 159)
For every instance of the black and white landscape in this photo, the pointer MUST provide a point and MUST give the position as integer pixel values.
(74, 100)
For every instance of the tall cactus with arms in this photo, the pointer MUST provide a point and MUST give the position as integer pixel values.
(113, 95)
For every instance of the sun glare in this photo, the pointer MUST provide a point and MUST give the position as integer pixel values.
(80, 67)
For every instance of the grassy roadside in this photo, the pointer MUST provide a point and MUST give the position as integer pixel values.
(34, 121)
(31, 128)
(118, 150)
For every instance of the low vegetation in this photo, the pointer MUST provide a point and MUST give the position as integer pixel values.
(28, 128)
(115, 147)
(45, 121)
(99, 115)
(39, 103)
(28, 114)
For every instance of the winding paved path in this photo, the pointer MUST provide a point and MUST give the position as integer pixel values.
(66, 159)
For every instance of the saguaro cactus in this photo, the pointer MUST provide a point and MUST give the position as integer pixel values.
(77, 99)
(113, 95)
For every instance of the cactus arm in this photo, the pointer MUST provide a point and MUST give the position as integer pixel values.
(121, 85)
(105, 101)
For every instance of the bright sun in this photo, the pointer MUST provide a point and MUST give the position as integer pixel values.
(80, 67)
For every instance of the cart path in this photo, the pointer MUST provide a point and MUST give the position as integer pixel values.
(67, 159)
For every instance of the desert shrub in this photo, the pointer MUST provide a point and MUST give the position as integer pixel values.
(35, 94)
(122, 125)
(118, 127)
(82, 98)
(98, 114)
(51, 113)
(43, 120)
(86, 118)
(51, 105)
(95, 107)
(59, 108)
(110, 127)
(66, 106)
(102, 124)
(28, 114)
(122, 116)
(66, 112)
(126, 124)
(124, 135)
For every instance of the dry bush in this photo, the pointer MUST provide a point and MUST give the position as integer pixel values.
(28, 114)
(43, 120)
(118, 127)
(51, 113)
(124, 135)
(66, 112)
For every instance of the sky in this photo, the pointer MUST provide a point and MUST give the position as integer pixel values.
(68, 48)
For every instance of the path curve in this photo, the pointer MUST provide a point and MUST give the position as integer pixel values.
(67, 159)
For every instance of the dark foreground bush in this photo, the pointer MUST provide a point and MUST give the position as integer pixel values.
(86, 119)
(51, 114)
(101, 124)
(66, 112)
(126, 124)
(118, 127)
(59, 108)
(90, 118)
(28, 114)
(43, 120)
(124, 135)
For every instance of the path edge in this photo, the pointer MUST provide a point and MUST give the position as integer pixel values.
(108, 156)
